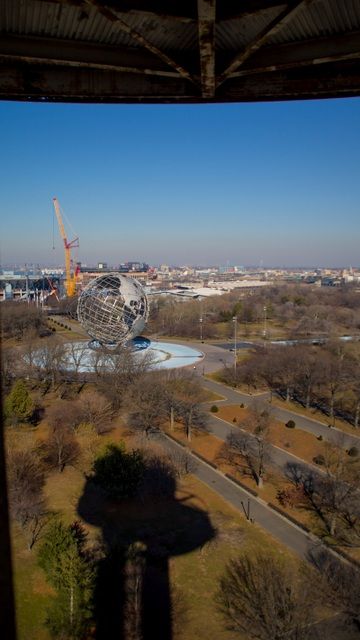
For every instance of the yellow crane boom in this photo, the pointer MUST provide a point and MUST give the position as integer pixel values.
(70, 282)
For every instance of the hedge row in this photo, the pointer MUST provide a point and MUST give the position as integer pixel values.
(61, 324)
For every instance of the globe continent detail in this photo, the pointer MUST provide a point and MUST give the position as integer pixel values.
(113, 308)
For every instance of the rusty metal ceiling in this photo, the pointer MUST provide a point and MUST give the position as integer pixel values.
(178, 50)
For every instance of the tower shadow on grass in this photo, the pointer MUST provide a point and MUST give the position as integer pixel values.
(132, 592)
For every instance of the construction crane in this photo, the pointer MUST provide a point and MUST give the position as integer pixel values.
(70, 282)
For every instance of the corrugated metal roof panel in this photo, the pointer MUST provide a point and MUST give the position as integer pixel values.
(317, 18)
(320, 18)
(88, 71)
(36, 18)
(235, 34)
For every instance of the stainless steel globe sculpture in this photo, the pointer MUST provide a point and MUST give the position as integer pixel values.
(113, 309)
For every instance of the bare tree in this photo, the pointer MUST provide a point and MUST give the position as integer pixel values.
(26, 493)
(65, 414)
(354, 379)
(252, 449)
(333, 495)
(308, 373)
(261, 596)
(341, 583)
(95, 409)
(182, 462)
(20, 320)
(77, 354)
(134, 574)
(287, 363)
(147, 407)
(333, 373)
(192, 416)
(60, 449)
(117, 372)
(8, 364)
(51, 360)
(338, 494)
(184, 395)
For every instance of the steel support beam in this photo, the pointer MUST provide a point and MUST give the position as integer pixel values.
(34, 50)
(20, 81)
(206, 21)
(270, 30)
(115, 17)
(317, 51)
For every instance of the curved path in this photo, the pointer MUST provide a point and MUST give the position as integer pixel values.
(231, 397)
(281, 458)
(282, 529)
(215, 357)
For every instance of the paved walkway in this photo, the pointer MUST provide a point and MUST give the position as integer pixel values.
(231, 396)
(287, 533)
(216, 357)
(281, 458)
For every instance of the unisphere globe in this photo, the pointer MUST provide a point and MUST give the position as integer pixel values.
(113, 308)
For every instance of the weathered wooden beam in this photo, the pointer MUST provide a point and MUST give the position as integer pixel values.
(117, 20)
(36, 50)
(284, 57)
(206, 21)
(270, 30)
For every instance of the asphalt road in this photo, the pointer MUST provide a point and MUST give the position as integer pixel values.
(215, 357)
(278, 457)
(289, 534)
(231, 396)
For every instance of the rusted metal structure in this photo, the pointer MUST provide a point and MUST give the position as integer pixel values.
(178, 51)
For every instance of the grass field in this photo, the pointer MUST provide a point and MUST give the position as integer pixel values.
(194, 568)
(201, 531)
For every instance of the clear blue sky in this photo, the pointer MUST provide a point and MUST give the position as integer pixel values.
(271, 182)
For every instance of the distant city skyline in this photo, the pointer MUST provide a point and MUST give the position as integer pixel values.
(58, 267)
(275, 184)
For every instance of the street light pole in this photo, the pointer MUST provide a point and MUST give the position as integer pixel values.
(201, 328)
(265, 327)
(235, 344)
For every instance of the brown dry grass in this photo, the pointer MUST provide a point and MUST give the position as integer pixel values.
(194, 575)
(301, 443)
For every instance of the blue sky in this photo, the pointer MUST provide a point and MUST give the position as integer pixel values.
(270, 183)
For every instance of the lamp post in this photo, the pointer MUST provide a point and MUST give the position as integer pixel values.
(201, 328)
(235, 344)
(265, 328)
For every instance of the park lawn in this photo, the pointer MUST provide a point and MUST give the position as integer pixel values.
(210, 447)
(32, 593)
(300, 443)
(196, 575)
